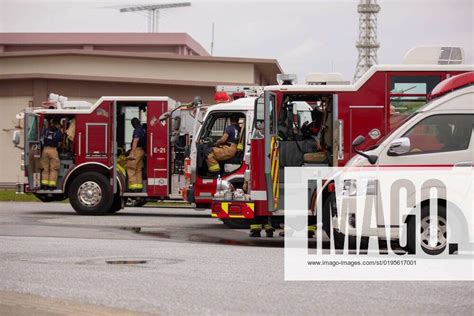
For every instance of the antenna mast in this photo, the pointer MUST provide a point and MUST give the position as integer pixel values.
(154, 12)
(212, 40)
(367, 45)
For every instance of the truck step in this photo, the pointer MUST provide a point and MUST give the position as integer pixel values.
(132, 194)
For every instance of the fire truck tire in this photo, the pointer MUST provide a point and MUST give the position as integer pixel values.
(203, 205)
(117, 205)
(329, 211)
(89, 194)
(236, 223)
(50, 197)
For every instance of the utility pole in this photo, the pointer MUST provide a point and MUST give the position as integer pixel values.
(367, 45)
(154, 12)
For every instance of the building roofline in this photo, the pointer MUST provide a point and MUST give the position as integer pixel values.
(140, 55)
(122, 39)
(191, 83)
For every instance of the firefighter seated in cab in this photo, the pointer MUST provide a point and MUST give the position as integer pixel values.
(134, 164)
(316, 131)
(52, 138)
(226, 146)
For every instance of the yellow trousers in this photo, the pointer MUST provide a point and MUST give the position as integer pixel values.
(134, 169)
(219, 154)
(50, 165)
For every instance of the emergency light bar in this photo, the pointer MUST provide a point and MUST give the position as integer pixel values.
(249, 91)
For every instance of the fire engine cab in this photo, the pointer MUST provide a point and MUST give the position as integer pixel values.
(93, 156)
(201, 184)
(376, 104)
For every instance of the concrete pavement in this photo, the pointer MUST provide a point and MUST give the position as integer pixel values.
(194, 265)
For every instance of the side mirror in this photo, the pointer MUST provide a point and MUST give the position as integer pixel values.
(399, 146)
(358, 141)
(16, 138)
(164, 116)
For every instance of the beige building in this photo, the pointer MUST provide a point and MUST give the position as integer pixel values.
(87, 66)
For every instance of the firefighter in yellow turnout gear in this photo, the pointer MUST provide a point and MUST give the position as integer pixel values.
(226, 146)
(134, 164)
(50, 163)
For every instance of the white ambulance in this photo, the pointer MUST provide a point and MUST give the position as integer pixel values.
(439, 135)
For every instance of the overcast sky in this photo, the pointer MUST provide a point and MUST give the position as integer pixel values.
(305, 36)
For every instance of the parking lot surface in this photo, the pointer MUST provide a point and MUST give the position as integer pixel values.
(175, 260)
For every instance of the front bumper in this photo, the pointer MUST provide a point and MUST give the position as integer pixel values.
(233, 209)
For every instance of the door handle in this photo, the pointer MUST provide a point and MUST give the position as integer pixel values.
(151, 144)
(463, 164)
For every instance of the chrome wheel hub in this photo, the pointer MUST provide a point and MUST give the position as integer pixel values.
(434, 234)
(89, 194)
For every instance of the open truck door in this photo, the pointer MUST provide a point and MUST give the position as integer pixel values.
(158, 150)
(32, 145)
(271, 151)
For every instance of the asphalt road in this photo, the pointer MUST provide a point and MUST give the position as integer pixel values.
(189, 263)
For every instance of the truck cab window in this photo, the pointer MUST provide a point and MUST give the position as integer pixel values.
(407, 95)
(32, 132)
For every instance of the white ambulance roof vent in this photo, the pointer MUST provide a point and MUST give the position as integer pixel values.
(328, 78)
(61, 102)
(434, 55)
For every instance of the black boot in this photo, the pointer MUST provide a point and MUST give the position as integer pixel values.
(255, 233)
(255, 230)
(269, 231)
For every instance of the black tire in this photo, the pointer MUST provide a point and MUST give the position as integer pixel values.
(330, 211)
(441, 246)
(203, 205)
(135, 202)
(117, 205)
(98, 204)
(50, 197)
(236, 223)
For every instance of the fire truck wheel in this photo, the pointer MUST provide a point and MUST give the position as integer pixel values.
(90, 194)
(236, 223)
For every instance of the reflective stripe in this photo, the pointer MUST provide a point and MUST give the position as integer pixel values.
(135, 186)
(44, 182)
(255, 226)
(214, 168)
(311, 228)
(52, 183)
(225, 207)
(121, 170)
(268, 226)
(274, 153)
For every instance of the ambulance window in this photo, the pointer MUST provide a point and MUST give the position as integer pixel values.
(441, 133)
(32, 133)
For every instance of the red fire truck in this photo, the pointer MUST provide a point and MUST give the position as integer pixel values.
(373, 106)
(92, 170)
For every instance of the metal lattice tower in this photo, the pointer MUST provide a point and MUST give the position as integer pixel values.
(367, 45)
